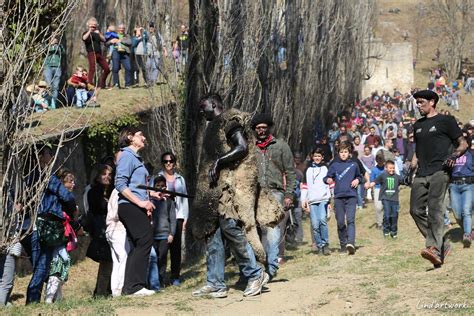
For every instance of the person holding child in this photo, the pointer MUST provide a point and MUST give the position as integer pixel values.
(79, 80)
(61, 261)
(346, 176)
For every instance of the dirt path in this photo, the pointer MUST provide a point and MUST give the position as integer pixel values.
(384, 276)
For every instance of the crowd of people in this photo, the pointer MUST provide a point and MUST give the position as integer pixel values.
(253, 189)
(370, 152)
(143, 51)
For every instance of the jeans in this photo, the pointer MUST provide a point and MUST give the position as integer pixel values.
(231, 233)
(390, 216)
(360, 195)
(298, 218)
(81, 97)
(52, 76)
(161, 249)
(153, 274)
(41, 260)
(319, 224)
(141, 63)
(271, 238)
(461, 202)
(153, 67)
(7, 276)
(378, 206)
(345, 217)
(183, 59)
(121, 59)
(468, 86)
(429, 192)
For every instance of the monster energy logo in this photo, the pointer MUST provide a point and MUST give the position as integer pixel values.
(390, 186)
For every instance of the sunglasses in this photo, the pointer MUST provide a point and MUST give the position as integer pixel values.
(167, 161)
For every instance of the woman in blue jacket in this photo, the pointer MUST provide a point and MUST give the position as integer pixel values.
(134, 210)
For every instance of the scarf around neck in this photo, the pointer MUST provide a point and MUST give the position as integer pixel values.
(262, 144)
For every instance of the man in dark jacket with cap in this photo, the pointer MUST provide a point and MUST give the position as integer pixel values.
(436, 136)
(275, 172)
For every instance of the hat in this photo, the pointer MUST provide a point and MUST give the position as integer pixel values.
(261, 118)
(42, 84)
(427, 95)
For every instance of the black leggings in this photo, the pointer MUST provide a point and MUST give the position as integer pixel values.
(140, 235)
(175, 250)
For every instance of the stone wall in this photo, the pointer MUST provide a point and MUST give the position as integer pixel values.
(392, 69)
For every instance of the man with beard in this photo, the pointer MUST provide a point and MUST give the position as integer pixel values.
(276, 172)
(224, 208)
(435, 137)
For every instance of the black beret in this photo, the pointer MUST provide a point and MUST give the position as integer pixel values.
(427, 95)
(262, 118)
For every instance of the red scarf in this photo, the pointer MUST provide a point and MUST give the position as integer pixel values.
(262, 144)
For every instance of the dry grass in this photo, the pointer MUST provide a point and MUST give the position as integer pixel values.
(113, 104)
(385, 275)
(391, 26)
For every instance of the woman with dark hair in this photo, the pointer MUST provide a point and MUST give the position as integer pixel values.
(175, 182)
(134, 210)
(99, 250)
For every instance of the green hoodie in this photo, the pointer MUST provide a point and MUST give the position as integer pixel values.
(274, 164)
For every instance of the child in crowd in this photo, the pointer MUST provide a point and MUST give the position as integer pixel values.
(374, 173)
(175, 52)
(61, 261)
(40, 96)
(368, 161)
(79, 79)
(164, 227)
(346, 175)
(315, 197)
(399, 163)
(389, 183)
(110, 34)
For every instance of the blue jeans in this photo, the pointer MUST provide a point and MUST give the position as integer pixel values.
(360, 195)
(153, 67)
(232, 234)
(390, 216)
(7, 276)
(123, 59)
(345, 217)
(52, 76)
(271, 238)
(153, 275)
(319, 224)
(81, 97)
(41, 260)
(461, 202)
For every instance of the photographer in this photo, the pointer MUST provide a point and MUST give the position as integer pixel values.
(92, 39)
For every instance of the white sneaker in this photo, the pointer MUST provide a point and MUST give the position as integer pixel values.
(144, 292)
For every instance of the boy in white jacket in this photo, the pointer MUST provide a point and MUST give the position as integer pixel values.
(315, 197)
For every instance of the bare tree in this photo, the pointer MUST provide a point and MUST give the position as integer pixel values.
(25, 28)
(454, 23)
(296, 59)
